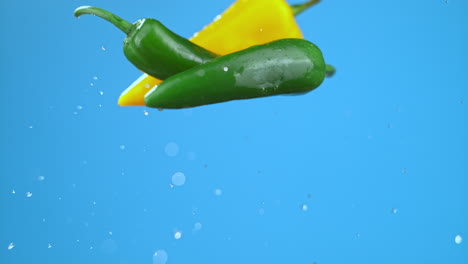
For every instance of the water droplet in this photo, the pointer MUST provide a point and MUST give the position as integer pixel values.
(261, 211)
(101, 92)
(28, 194)
(225, 69)
(197, 226)
(11, 246)
(41, 178)
(201, 73)
(178, 179)
(217, 18)
(103, 48)
(218, 192)
(79, 107)
(458, 239)
(171, 149)
(394, 210)
(178, 235)
(160, 257)
(122, 147)
(304, 207)
(145, 112)
(49, 246)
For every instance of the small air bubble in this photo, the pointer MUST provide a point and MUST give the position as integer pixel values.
(160, 257)
(458, 239)
(218, 17)
(178, 235)
(11, 246)
(171, 149)
(178, 179)
(101, 92)
(30, 127)
(122, 147)
(13, 191)
(394, 210)
(28, 194)
(218, 192)
(304, 207)
(110, 233)
(261, 29)
(103, 48)
(91, 84)
(79, 107)
(41, 178)
(145, 112)
(197, 226)
(95, 77)
(49, 246)
(225, 69)
(147, 86)
(404, 171)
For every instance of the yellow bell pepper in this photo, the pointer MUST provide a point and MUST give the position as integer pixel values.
(245, 23)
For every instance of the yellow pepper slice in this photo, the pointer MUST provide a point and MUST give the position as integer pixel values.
(245, 23)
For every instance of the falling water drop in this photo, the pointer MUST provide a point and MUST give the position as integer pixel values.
(160, 257)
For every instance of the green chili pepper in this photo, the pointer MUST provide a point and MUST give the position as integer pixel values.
(284, 66)
(153, 48)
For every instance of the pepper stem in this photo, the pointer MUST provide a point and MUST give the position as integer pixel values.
(299, 8)
(119, 22)
(329, 70)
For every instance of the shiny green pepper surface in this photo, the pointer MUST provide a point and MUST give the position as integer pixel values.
(161, 53)
(284, 66)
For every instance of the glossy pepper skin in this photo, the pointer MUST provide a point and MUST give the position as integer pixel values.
(152, 47)
(280, 67)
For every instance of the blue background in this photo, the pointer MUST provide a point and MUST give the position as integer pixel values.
(377, 155)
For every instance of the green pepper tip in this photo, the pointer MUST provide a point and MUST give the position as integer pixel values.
(329, 70)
